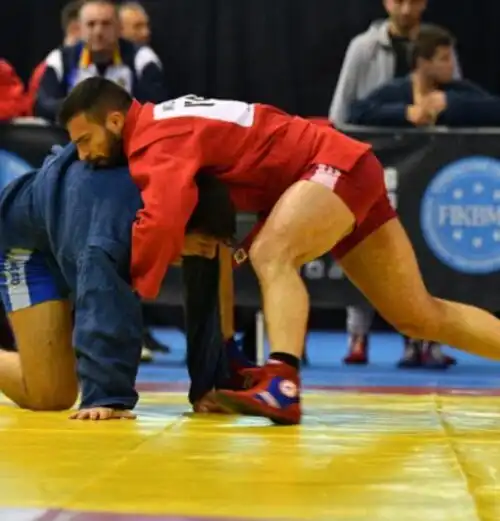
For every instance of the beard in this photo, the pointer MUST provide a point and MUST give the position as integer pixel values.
(115, 156)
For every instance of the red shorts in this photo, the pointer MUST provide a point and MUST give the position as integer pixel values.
(364, 192)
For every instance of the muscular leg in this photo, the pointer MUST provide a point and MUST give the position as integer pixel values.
(304, 224)
(310, 218)
(385, 269)
(42, 374)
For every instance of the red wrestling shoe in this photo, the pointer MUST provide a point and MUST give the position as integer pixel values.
(246, 378)
(358, 350)
(276, 395)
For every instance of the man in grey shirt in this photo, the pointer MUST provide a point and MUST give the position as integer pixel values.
(378, 55)
(373, 58)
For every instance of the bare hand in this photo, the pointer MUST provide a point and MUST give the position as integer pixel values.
(419, 115)
(435, 102)
(102, 413)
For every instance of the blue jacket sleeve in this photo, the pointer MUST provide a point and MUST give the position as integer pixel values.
(108, 332)
(383, 107)
(470, 105)
(50, 96)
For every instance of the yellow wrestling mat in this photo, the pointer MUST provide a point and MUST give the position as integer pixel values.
(356, 457)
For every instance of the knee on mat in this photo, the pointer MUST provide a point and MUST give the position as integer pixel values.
(47, 402)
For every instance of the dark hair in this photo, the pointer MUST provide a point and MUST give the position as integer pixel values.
(70, 13)
(215, 214)
(105, 2)
(429, 39)
(94, 97)
(111, 3)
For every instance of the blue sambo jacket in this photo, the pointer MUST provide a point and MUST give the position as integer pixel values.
(81, 220)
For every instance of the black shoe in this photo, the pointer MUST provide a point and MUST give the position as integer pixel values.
(434, 358)
(413, 354)
(153, 345)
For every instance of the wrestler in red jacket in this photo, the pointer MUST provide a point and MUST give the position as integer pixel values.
(320, 190)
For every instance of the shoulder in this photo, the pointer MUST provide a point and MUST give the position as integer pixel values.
(63, 56)
(138, 56)
(364, 43)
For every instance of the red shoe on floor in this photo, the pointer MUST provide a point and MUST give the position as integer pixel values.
(358, 350)
(275, 396)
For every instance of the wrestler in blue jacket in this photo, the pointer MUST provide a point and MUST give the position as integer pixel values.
(65, 235)
(61, 244)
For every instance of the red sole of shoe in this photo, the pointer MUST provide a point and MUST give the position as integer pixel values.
(238, 406)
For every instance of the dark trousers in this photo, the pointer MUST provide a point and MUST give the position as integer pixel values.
(206, 354)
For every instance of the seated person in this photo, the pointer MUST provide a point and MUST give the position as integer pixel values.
(429, 95)
(70, 25)
(101, 52)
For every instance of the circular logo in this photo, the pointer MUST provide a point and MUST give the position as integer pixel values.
(460, 215)
(288, 388)
(11, 167)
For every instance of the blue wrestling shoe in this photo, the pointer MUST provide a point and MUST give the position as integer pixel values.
(240, 367)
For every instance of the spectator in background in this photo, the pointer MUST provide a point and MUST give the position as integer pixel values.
(134, 21)
(430, 95)
(70, 25)
(13, 100)
(373, 58)
(70, 22)
(378, 55)
(101, 52)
